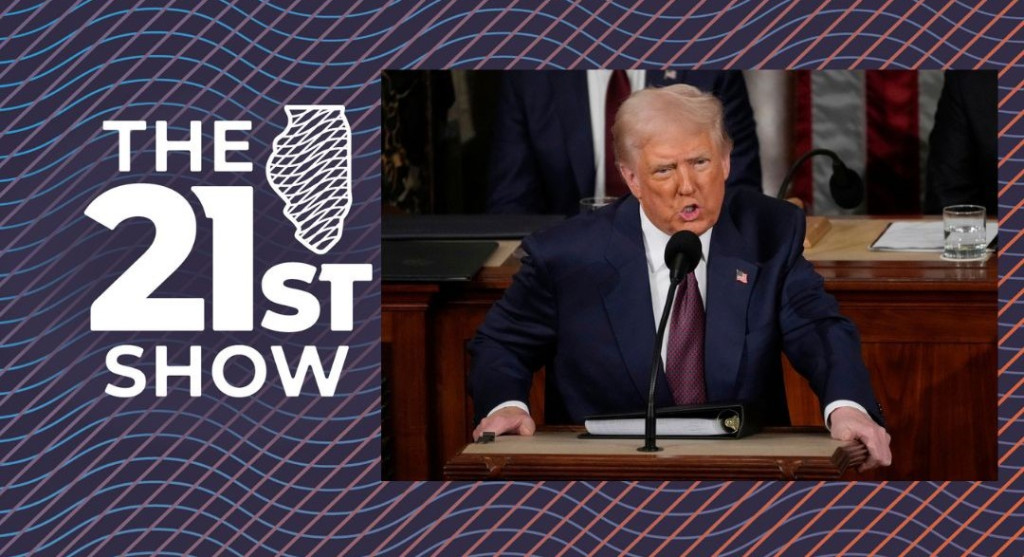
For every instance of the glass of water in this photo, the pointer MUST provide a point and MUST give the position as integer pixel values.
(964, 229)
(590, 204)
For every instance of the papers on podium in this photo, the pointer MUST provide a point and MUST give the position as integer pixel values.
(920, 236)
(699, 420)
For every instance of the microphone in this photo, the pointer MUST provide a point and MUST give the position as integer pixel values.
(682, 253)
(845, 185)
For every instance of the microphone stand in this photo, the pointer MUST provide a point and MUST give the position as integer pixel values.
(650, 427)
(845, 185)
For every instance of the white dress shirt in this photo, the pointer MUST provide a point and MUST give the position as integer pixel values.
(658, 277)
(658, 274)
(597, 93)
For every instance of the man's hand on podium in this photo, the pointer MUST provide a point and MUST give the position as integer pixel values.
(849, 423)
(507, 420)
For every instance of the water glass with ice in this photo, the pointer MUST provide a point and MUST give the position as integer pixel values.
(964, 229)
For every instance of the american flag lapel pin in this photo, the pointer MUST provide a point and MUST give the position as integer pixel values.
(741, 276)
(670, 74)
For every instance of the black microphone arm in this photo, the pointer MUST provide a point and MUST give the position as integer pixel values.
(650, 429)
(682, 254)
(845, 185)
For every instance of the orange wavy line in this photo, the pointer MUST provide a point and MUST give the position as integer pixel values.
(737, 505)
(768, 534)
(689, 519)
(749, 521)
(661, 517)
(846, 518)
(582, 505)
(910, 517)
(597, 516)
(930, 527)
(853, 35)
(977, 511)
(821, 513)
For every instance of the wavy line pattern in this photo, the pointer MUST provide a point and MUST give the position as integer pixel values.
(83, 472)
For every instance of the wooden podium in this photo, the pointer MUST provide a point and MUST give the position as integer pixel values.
(774, 454)
(928, 336)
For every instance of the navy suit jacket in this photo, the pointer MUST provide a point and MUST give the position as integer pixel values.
(581, 304)
(962, 159)
(542, 155)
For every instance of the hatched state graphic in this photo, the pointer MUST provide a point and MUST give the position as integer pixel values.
(309, 169)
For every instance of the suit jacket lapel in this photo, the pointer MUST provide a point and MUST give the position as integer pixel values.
(574, 115)
(627, 296)
(731, 277)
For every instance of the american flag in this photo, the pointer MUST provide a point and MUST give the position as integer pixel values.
(741, 276)
(877, 121)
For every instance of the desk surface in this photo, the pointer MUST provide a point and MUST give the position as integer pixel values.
(850, 237)
(783, 453)
(845, 245)
(928, 332)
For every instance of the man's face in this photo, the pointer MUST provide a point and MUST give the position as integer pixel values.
(679, 177)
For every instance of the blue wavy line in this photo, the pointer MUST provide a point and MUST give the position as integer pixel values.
(233, 31)
(563, 542)
(807, 63)
(353, 348)
(59, 303)
(459, 63)
(27, 293)
(111, 535)
(853, 531)
(968, 7)
(26, 270)
(31, 9)
(280, 249)
(267, 245)
(176, 83)
(467, 62)
(31, 410)
(25, 341)
(55, 211)
(132, 36)
(670, 42)
(50, 23)
(157, 483)
(105, 137)
(202, 16)
(257, 164)
(231, 480)
(203, 443)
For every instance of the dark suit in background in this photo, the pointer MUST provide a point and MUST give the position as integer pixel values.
(542, 157)
(582, 303)
(962, 164)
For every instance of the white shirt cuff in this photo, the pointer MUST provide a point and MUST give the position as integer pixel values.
(839, 404)
(513, 403)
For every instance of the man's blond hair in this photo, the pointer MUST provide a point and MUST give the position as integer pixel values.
(649, 108)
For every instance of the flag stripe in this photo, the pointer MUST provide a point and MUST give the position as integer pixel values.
(802, 186)
(892, 161)
(838, 125)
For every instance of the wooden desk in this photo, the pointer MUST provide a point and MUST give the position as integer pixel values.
(779, 454)
(928, 329)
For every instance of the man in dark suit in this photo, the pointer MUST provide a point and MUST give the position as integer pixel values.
(543, 152)
(962, 147)
(586, 299)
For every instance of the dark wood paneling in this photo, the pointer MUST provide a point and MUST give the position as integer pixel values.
(929, 341)
(405, 337)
